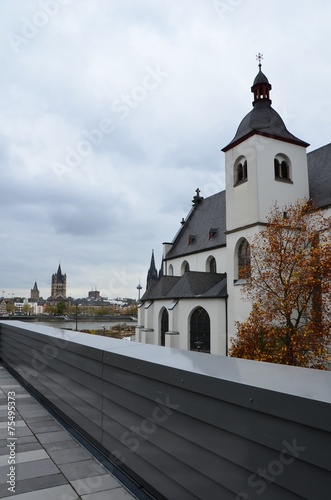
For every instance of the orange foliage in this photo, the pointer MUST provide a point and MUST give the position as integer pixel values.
(290, 289)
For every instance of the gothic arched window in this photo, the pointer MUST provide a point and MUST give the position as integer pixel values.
(200, 330)
(212, 265)
(185, 267)
(244, 260)
(164, 325)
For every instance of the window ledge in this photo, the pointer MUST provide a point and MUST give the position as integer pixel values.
(283, 179)
(238, 282)
(240, 182)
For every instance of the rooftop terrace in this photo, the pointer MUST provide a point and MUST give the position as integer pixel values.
(180, 425)
(50, 463)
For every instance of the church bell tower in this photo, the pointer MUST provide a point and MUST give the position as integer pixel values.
(264, 164)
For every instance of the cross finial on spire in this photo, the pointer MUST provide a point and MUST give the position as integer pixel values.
(259, 58)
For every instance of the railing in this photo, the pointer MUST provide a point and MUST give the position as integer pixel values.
(185, 425)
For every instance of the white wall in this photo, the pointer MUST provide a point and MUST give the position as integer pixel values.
(198, 261)
(179, 320)
(250, 202)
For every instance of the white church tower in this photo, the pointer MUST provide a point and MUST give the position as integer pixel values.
(265, 164)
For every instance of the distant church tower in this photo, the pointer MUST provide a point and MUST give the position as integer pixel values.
(152, 271)
(59, 285)
(34, 292)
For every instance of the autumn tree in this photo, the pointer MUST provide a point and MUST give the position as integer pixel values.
(289, 285)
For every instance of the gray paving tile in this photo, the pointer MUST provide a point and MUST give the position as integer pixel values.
(70, 455)
(29, 470)
(95, 484)
(22, 440)
(19, 432)
(46, 426)
(21, 447)
(118, 494)
(4, 418)
(51, 437)
(79, 470)
(34, 484)
(39, 418)
(25, 456)
(29, 405)
(62, 445)
(56, 493)
(8, 387)
(33, 413)
(27, 439)
(22, 395)
(18, 423)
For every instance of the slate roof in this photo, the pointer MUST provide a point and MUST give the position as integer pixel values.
(263, 120)
(208, 214)
(260, 78)
(319, 173)
(192, 284)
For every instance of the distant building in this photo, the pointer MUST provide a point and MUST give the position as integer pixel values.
(94, 294)
(3, 307)
(34, 292)
(59, 285)
(36, 308)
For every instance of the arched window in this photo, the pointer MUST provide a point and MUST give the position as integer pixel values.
(185, 267)
(171, 270)
(282, 167)
(240, 170)
(244, 260)
(164, 325)
(211, 265)
(200, 330)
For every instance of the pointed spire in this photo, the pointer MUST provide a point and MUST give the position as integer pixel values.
(152, 272)
(59, 272)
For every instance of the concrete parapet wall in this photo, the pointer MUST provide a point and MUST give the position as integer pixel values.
(185, 425)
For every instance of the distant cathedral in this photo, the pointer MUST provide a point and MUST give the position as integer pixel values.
(59, 285)
(34, 292)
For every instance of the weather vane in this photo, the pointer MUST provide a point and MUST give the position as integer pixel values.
(259, 58)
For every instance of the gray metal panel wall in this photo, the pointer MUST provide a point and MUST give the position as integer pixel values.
(186, 425)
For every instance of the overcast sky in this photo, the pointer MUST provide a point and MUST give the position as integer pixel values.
(112, 113)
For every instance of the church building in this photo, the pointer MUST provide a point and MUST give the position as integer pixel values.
(195, 300)
(59, 285)
(34, 293)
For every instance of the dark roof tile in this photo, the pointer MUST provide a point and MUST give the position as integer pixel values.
(209, 213)
(192, 284)
(319, 173)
